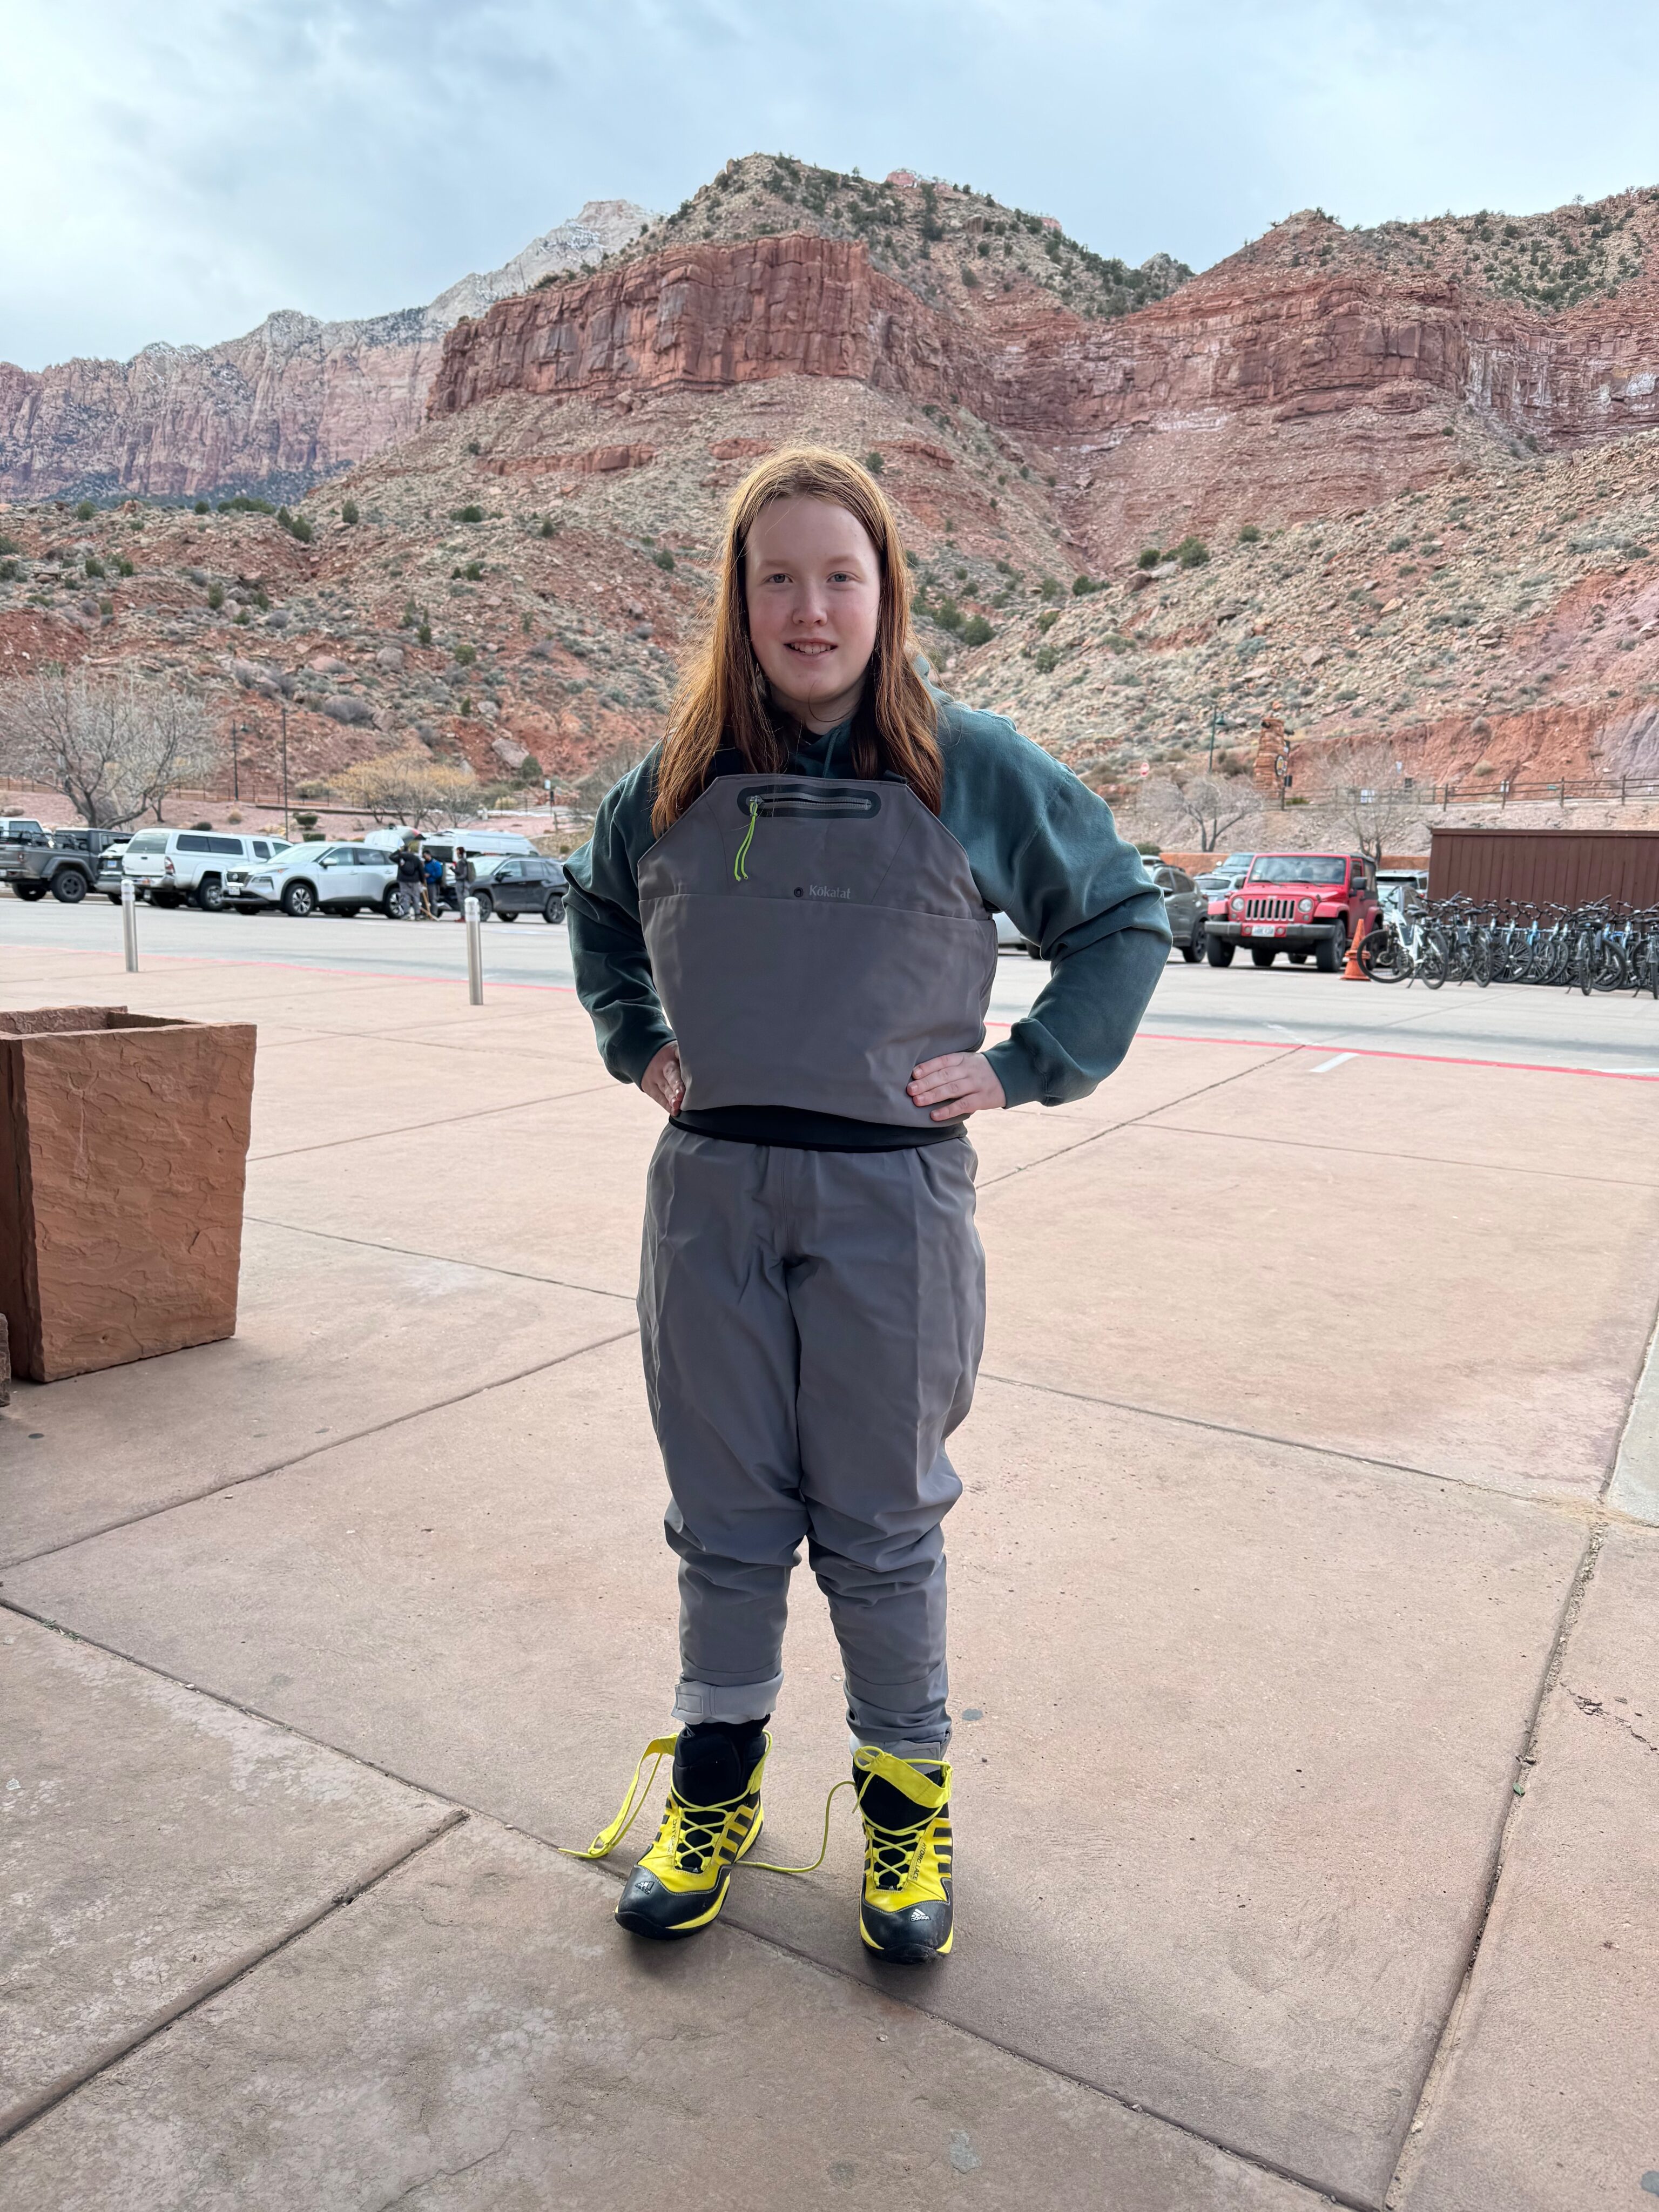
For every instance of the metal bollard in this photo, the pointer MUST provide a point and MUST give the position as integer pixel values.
(130, 924)
(474, 951)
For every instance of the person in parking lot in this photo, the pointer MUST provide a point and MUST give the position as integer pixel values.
(411, 878)
(781, 928)
(464, 876)
(432, 885)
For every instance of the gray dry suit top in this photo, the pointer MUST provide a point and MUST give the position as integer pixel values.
(808, 940)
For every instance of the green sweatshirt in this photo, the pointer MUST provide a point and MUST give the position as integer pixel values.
(1042, 848)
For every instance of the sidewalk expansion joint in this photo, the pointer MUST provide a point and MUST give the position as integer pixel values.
(1573, 1509)
(407, 1252)
(439, 1121)
(14, 2122)
(1526, 1761)
(459, 1812)
(1374, 1153)
(318, 1451)
(1323, 2190)
(1134, 1120)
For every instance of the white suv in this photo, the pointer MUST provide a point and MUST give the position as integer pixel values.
(169, 865)
(338, 878)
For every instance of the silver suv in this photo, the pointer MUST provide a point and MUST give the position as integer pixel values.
(330, 879)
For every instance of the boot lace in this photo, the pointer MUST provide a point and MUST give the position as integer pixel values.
(891, 1853)
(688, 1832)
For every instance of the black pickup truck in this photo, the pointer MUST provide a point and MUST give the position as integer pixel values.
(66, 864)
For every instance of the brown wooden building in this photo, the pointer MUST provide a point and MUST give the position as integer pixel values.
(1559, 867)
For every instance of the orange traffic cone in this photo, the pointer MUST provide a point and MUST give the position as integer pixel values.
(1352, 972)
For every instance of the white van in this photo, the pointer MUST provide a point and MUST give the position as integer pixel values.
(477, 844)
(170, 865)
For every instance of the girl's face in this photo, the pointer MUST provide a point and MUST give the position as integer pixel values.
(813, 586)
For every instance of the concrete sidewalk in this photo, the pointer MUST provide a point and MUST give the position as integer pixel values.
(1308, 1750)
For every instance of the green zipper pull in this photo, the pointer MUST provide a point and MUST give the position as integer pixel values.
(739, 872)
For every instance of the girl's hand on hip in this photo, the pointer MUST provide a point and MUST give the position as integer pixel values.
(662, 1081)
(960, 1083)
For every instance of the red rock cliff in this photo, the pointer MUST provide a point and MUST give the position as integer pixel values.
(1254, 389)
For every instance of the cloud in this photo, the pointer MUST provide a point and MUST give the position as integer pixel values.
(177, 174)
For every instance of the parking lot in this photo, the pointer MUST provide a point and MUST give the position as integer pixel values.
(1308, 1803)
(1276, 1005)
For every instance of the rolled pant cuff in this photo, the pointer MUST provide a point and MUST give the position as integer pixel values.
(909, 1747)
(717, 1701)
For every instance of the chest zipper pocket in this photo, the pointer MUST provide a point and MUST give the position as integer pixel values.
(791, 803)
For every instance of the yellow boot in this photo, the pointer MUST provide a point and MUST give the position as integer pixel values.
(711, 1820)
(904, 1912)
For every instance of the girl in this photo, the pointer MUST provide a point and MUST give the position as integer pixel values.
(782, 930)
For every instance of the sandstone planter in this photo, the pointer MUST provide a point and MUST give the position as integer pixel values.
(123, 1148)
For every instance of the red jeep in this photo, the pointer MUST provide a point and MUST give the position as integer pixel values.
(1294, 903)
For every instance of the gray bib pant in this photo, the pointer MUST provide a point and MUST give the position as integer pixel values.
(811, 1320)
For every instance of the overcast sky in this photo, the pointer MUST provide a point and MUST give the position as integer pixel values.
(176, 168)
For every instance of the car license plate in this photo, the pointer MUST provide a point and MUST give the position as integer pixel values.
(1264, 929)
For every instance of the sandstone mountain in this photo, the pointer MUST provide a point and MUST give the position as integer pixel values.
(293, 402)
(1384, 477)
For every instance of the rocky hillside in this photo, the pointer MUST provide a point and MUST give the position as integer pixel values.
(946, 243)
(1503, 625)
(1367, 475)
(294, 401)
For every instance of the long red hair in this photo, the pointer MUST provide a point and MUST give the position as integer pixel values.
(722, 697)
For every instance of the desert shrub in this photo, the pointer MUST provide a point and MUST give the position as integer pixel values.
(473, 572)
(978, 631)
(1046, 622)
(215, 597)
(296, 525)
(124, 566)
(9, 544)
(85, 511)
(424, 633)
(8, 572)
(466, 514)
(1248, 534)
(202, 507)
(549, 528)
(246, 502)
(1149, 557)
(1048, 588)
(664, 559)
(1400, 545)
(92, 565)
(948, 615)
(873, 462)
(1045, 658)
(472, 445)
(466, 655)
(349, 510)
(1192, 552)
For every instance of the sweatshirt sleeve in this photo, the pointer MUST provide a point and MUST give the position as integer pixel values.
(1045, 849)
(607, 944)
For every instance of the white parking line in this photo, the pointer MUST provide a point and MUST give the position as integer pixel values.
(1326, 1066)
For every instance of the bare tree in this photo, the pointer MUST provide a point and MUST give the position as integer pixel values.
(1368, 799)
(592, 787)
(1189, 812)
(1209, 806)
(113, 746)
(410, 789)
